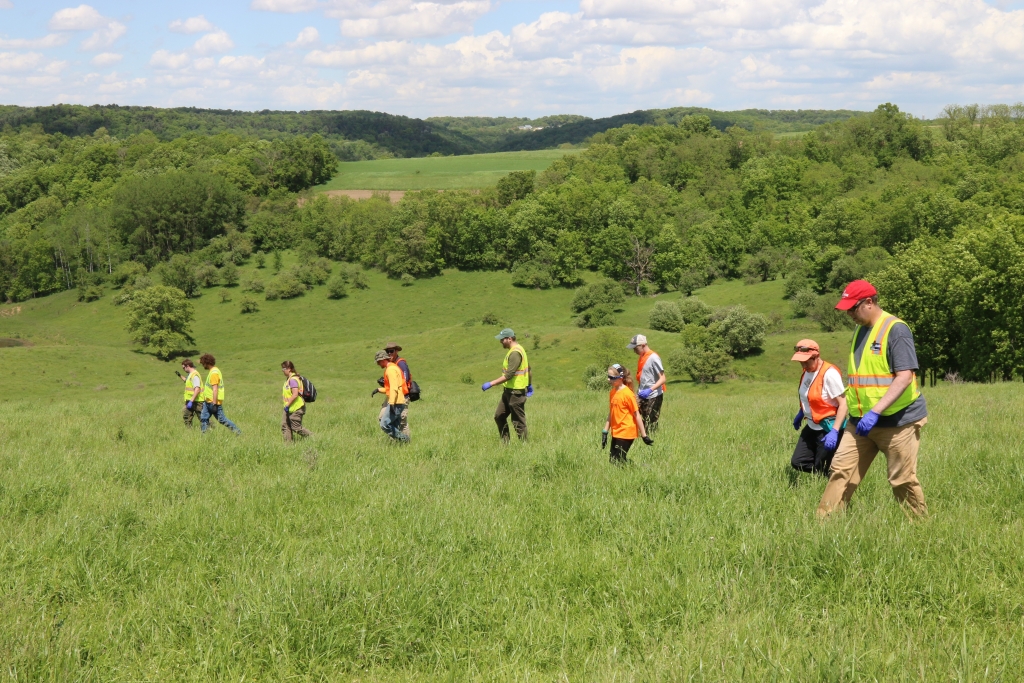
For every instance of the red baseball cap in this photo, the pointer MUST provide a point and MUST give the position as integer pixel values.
(854, 292)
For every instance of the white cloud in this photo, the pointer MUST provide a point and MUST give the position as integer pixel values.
(106, 59)
(6, 4)
(240, 64)
(192, 25)
(289, 6)
(104, 37)
(307, 36)
(81, 18)
(407, 18)
(19, 61)
(218, 41)
(50, 40)
(377, 53)
(162, 59)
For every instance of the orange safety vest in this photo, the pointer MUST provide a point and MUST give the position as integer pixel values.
(640, 368)
(820, 409)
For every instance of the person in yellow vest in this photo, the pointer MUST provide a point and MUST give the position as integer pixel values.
(193, 391)
(391, 421)
(294, 405)
(822, 399)
(213, 396)
(886, 407)
(518, 380)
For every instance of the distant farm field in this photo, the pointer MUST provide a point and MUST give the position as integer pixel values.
(438, 173)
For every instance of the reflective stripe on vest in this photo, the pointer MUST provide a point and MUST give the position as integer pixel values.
(521, 378)
(872, 378)
(286, 393)
(208, 388)
(820, 409)
(189, 388)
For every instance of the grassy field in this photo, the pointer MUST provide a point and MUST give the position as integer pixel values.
(438, 173)
(134, 550)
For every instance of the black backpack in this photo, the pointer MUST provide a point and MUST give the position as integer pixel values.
(414, 391)
(308, 390)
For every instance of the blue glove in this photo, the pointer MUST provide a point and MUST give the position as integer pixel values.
(867, 423)
(189, 405)
(529, 390)
(798, 420)
(831, 440)
(644, 394)
(485, 386)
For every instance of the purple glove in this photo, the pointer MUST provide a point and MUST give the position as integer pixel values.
(485, 386)
(189, 405)
(798, 420)
(529, 391)
(644, 394)
(831, 440)
(867, 423)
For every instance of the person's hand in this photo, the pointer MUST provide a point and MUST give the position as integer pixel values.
(286, 411)
(798, 420)
(529, 390)
(604, 438)
(867, 423)
(189, 405)
(648, 440)
(374, 393)
(485, 386)
(380, 381)
(644, 394)
(831, 440)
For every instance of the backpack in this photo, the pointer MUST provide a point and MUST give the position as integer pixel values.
(414, 391)
(308, 390)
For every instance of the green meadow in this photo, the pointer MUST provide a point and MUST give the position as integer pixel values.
(471, 171)
(135, 550)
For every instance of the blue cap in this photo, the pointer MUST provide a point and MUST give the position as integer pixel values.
(506, 333)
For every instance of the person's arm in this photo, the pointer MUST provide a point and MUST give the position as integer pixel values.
(514, 361)
(660, 383)
(216, 390)
(899, 384)
(294, 386)
(841, 412)
(195, 393)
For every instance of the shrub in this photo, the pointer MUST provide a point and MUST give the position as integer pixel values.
(207, 275)
(826, 315)
(604, 292)
(804, 303)
(665, 316)
(359, 281)
(284, 286)
(703, 364)
(160, 319)
(225, 296)
(794, 285)
(691, 280)
(598, 316)
(740, 331)
(253, 284)
(337, 289)
(229, 274)
(261, 259)
(180, 273)
(694, 311)
(126, 273)
(278, 261)
(532, 274)
(250, 305)
(466, 378)
(490, 319)
(89, 293)
(594, 378)
(408, 280)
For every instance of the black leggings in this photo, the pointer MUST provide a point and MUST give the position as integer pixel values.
(619, 449)
(810, 454)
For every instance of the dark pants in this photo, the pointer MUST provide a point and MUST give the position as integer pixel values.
(650, 411)
(512, 404)
(214, 410)
(189, 415)
(810, 454)
(620, 447)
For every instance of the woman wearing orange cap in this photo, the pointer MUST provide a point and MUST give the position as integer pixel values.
(823, 403)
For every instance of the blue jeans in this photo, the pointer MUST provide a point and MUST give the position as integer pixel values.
(391, 422)
(211, 409)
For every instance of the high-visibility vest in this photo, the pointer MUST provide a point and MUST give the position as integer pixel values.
(387, 380)
(521, 379)
(820, 408)
(872, 378)
(640, 369)
(286, 394)
(208, 389)
(188, 386)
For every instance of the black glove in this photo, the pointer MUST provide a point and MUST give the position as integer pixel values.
(604, 438)
(380, 381)
(375, 392)
(649, 441)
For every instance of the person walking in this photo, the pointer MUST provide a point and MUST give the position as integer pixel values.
(822, 399)
(193, 390)
(650, 375)
(392, 350)
(391, 420)
(517, 378)
(213, 396)
(624, 419)
(294, 405)
(887, 410)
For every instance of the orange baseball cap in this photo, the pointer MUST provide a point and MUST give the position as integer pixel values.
(806, 349)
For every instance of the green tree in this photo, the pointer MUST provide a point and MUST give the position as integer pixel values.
(160, 319)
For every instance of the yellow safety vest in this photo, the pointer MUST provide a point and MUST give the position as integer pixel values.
(189, 388)
(286, 394)
(521, 379)
(872, 378)
(208, 389)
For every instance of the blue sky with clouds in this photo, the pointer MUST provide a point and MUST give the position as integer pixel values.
(513, 57)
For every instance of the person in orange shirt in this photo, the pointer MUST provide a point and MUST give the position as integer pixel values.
(624, 418)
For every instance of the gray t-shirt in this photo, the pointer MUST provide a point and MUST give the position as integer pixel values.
(902, 356)
(651, 374)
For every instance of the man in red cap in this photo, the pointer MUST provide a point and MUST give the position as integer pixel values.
(822, 399)
(886, 407)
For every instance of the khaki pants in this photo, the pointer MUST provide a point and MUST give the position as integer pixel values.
(855, 455)
(405, 415)
(188, 415)
(291, 423)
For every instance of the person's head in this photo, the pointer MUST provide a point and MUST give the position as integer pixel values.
(860, 301)
(207, 361)
(618, 375)
(287, 368)
(507, 337)
(392, 350)
(382, 358)
(187, 365)
(808, 354)
(638, 344)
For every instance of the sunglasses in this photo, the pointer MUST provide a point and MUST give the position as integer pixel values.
(612, 378)
(804, 349)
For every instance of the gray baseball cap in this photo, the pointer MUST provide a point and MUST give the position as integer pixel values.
(638, 340)
(505, 334)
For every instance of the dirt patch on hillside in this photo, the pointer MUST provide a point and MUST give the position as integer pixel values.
(9, 343)
(394, 195)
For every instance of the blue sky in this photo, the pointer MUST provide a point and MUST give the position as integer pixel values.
(517, 57)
